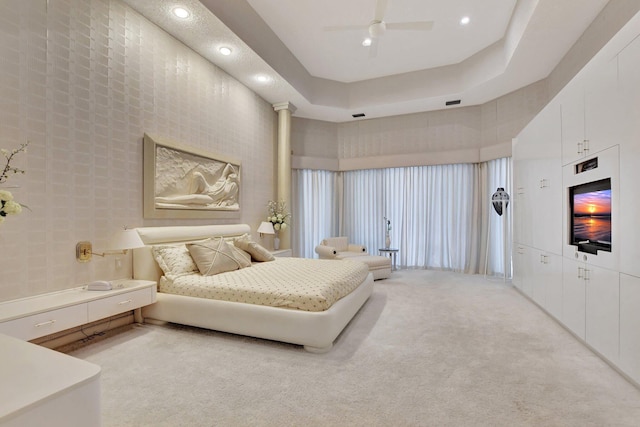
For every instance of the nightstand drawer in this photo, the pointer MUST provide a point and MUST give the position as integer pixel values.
(120, 303)
(39, 325)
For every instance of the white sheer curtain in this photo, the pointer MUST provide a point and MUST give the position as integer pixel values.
(499, 228)
(430, 208)
(316, 209)
(441, 216)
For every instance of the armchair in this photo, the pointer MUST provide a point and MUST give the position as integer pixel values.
(340, 248)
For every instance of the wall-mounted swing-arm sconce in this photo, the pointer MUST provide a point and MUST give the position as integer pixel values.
(121, 242)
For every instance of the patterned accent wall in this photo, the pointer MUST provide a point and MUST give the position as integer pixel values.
(83, 80)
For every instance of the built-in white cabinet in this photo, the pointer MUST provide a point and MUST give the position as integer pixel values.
(539, 276)
(538, 182)
(590, 307)
(596, 296)
(629, 77)
(630, 325)
(573, 296)
(590, 107)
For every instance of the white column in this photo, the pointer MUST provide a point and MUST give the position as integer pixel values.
(284, 110)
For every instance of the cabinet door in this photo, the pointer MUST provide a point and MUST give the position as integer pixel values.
(551, 276)
(602, 110)
(538, 179)
(573, 296)
(629, 68)
(572, 106)
(629, 322)
(518, 266)
(603, 310)
(538, 289)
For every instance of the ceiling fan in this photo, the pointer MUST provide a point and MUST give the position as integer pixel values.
(378, 26)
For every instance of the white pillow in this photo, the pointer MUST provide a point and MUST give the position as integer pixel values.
(214, 256)
(256, 251)
(174, 259)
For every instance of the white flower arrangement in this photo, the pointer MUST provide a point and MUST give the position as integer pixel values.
(278, 215)
(8, 206)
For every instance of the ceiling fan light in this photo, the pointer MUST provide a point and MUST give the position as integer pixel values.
(366, 42)
(377, 28)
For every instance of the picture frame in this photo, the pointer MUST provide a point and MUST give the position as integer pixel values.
(182, 182)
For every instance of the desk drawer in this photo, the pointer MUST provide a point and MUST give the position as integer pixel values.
(105, 307)
(39, 325)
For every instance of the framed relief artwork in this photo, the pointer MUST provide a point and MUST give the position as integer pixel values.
(183, 182)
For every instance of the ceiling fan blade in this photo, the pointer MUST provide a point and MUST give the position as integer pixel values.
(415, 26)
(381, 8)
(345, 28)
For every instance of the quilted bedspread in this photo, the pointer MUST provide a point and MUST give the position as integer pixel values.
(304, 284)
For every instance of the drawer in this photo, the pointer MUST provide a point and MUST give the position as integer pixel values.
(39, 325)
(105, 307)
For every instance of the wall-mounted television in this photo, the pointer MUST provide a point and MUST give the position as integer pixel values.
(591, 216)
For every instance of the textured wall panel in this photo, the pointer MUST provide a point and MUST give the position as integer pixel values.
(83, 80)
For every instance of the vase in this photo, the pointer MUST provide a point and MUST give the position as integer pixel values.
(387, 241)
(500, 200)
(276, 243)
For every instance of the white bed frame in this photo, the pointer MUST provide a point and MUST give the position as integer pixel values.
(316, 331)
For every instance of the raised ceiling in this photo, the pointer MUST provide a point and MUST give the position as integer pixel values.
(328, 75)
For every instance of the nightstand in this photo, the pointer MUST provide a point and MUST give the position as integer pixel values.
(33, 317)
(282, 253)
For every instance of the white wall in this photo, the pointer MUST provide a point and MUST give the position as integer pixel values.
(455, 135)
(83, 80)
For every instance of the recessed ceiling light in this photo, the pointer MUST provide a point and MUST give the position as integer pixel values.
(366, 42)
(181, 12)
(262, 78)
(465, 20)
(225, 51)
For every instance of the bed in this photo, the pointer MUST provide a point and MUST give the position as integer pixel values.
(315, 330)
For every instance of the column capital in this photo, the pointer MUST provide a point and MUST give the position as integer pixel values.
(278, 106)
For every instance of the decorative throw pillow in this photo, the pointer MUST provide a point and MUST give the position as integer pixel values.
(243, 257)
(213, 256)
(174, 259)
(257, 252)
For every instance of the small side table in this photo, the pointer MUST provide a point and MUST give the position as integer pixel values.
(393, 253)
(283, 253)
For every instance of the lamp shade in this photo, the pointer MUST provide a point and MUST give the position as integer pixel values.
(126, 239)
(266, 228)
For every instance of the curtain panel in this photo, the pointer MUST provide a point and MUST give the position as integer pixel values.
(440, 216)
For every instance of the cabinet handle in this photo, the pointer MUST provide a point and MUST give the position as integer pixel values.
(585, 145)
(124, 302)
(580, 272)
(586, 274)
(48, 322)
(580, 147)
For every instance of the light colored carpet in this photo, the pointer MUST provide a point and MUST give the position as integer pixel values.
(429, 348)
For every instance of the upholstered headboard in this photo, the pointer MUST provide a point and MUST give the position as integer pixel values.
(145, 266)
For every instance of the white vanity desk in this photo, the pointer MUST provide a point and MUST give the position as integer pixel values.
(41, 387)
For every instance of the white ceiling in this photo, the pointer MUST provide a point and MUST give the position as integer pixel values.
(329, 75)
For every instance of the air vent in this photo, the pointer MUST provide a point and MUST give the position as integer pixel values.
(355, 116)
(456, 102)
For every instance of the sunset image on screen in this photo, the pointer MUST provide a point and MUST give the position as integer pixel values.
(595, 203)
(592, 216)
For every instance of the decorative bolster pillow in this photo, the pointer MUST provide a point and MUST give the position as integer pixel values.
(326, 251)
(357, 248)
